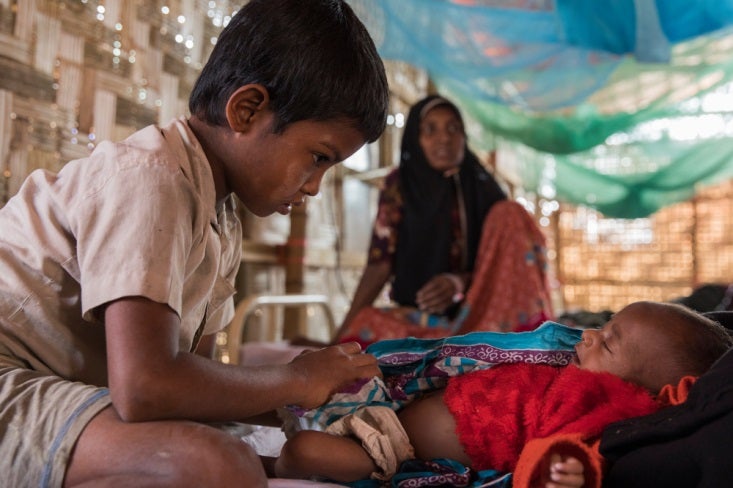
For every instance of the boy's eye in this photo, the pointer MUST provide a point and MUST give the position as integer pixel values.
(319, 159)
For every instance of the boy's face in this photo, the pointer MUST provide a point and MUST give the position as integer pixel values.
(626, 346)
(272, 172)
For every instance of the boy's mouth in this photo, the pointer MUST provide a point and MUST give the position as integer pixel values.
(286, 208)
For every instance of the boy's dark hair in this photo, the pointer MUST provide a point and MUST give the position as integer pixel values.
(315, 58)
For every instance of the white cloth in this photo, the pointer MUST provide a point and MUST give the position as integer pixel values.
(381, 435)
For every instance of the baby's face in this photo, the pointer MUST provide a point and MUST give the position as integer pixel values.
(625, 346)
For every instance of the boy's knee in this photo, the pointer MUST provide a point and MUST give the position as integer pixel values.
(220, 459)
(239, 459)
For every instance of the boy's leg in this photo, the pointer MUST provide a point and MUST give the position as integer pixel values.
(310, 453)
(110, 452)
(41, 416)
(55, 432)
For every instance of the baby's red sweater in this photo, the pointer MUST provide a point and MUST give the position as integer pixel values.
(508, 417)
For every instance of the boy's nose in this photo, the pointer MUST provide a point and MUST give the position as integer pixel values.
(313, 185)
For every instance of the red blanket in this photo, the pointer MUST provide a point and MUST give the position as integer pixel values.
(498, 410)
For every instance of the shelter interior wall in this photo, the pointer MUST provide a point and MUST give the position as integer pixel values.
(603, 264)
(71, 79)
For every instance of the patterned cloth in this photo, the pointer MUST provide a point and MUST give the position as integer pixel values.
(439, 473)
(412, 367)
(510, 290)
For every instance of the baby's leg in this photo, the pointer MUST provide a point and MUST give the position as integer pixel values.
(311, 453)
(432, 429)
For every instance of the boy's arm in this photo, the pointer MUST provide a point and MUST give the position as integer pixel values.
(206, 346)
(151, 378)
(534, 467)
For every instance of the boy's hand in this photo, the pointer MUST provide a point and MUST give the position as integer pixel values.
(325, 371)
(564, 472)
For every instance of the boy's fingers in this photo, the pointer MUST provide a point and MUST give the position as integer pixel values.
(350, 347)
(366, 364)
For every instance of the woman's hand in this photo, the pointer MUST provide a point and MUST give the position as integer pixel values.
(440, 292)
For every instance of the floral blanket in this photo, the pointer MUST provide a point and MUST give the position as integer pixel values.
(412, 367)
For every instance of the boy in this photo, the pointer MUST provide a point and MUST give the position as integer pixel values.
(113, 270)
(500, 418)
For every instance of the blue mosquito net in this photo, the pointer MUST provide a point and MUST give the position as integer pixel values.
(594, 95)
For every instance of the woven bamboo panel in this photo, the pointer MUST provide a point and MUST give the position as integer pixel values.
(604, 264)
(76, 72)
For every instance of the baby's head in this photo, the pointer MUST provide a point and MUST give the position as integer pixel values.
(653, 344)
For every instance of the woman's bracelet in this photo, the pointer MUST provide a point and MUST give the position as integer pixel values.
(457, 285)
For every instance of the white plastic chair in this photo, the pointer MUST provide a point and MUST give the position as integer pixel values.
(252, 303)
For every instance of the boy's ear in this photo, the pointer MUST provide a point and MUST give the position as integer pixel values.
(244, 105)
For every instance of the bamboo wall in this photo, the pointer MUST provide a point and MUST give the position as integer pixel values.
(75, 72)
(603, 264)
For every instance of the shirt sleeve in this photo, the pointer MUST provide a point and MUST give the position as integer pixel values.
(134, 233)
(386, 224)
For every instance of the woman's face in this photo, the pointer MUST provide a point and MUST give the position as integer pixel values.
(442, 138)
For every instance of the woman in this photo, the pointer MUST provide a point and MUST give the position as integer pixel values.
(427, 232)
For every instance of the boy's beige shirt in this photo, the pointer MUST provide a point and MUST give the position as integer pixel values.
(135, 218)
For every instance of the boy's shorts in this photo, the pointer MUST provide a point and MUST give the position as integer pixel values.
(41, 417)
(382, 437)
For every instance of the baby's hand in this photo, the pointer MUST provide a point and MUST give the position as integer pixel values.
(565, 472)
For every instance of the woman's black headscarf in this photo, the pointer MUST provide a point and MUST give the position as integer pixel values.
(425, 234)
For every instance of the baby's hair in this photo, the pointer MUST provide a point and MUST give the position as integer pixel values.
(700, 340)
(315, 58)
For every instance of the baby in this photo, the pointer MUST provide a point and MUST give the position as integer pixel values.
(493, 418)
